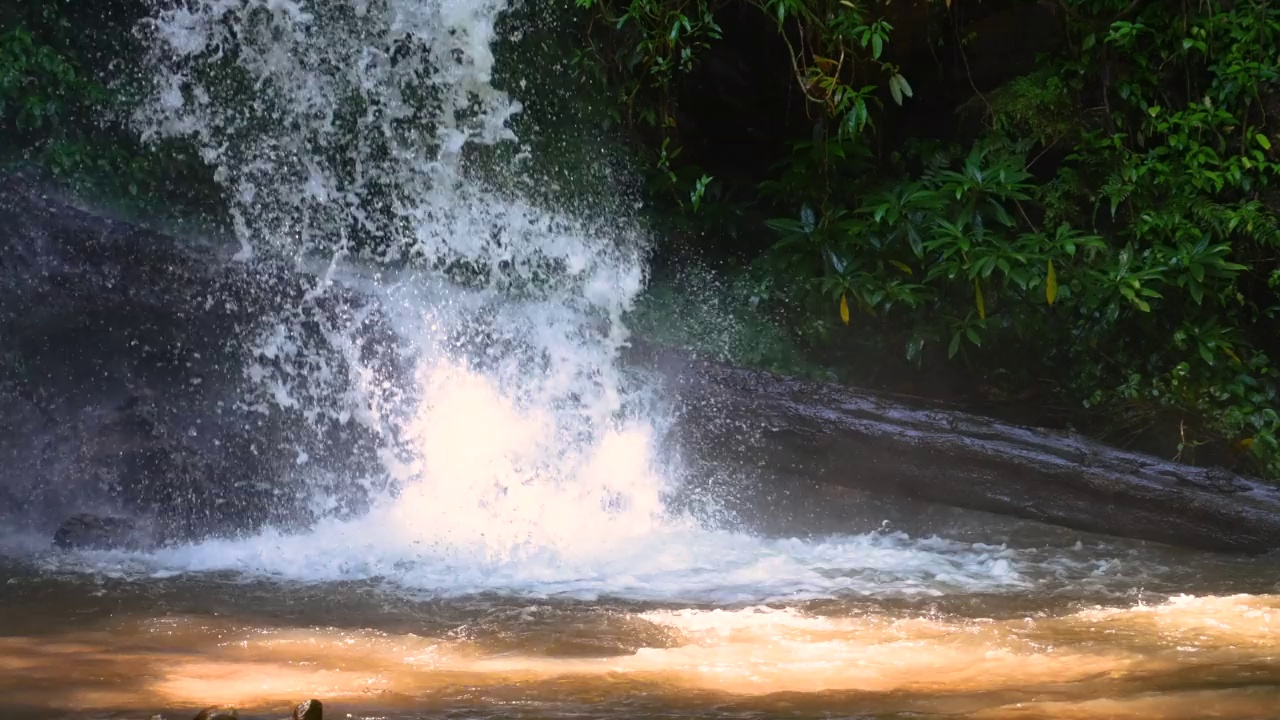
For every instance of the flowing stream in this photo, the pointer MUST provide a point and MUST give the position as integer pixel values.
(521, 556)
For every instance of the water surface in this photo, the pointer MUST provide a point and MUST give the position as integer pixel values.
(1045, 623)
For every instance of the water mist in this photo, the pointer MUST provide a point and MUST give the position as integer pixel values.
(516, 456)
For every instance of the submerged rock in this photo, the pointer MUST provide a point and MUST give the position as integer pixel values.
(217, 713)
(95, 532)
(309, 710)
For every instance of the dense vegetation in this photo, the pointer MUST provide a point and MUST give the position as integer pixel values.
(67, 83)
(1093, 217)
(1072, 203)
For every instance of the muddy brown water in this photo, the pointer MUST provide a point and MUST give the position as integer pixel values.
(1100, 628)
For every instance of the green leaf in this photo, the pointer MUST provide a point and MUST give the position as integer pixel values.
(905, 87)
(914, 347)
(1051, 285)
(954, 347)
(973, 336)
(1206, 353)
(894, 90)
(1002, 216)
(877, 46)
(917, 243)
(1263, 141)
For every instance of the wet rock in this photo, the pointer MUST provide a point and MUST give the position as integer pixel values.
(95, 532)
(125, 378)
(309, 710)
(790, 432)
(217, 713)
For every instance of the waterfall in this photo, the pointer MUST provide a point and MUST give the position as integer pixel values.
(343, 134)
(355, 142)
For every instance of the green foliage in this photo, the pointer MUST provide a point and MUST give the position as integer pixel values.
(43, 96)
(838, 60)
(39, 87)
(1113, 225)
(59, 113)
(1179, 164)
(722, 317)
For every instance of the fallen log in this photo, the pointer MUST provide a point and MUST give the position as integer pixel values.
(780, 427)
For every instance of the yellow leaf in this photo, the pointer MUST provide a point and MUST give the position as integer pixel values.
(901, 266)
(1245, 444)
(1051, 285)
(977, 296)
(1231, 353)
(948, 4)
(844, 309)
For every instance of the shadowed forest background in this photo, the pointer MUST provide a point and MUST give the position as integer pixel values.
(1062, 212)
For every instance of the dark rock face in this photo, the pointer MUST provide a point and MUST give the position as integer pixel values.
(96, 532)
(124, 387)
(790, 431)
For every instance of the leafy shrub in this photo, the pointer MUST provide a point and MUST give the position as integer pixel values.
(1112, 226)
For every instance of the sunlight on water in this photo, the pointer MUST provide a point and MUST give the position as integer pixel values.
(512, 434)
(516, 457)
(688, 564)
(1084, 664)
(522, 473)
(487, 477)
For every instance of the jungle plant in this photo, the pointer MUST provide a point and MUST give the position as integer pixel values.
(1113, 227)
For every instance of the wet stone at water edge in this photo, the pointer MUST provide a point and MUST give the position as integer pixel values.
(86, 531)
(306, 710)
(217, 713)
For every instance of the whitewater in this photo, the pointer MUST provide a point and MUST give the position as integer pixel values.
(533, 546)
(356, 142)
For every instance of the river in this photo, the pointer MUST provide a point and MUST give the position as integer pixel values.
(518, 556)
(1045, 623)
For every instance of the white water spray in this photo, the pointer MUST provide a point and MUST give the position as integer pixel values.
(342, 132)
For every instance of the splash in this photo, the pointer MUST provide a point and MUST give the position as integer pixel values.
(343, 134)
(516, 457)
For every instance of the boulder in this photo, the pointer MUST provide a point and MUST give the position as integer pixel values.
(775, 430)
(125, 385)
(309, 710)
(86, 531)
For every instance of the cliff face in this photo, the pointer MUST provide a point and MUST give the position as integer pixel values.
(123, 383)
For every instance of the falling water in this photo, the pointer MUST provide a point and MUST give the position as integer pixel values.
(520, 559)
(346, 136)
(342, 133)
